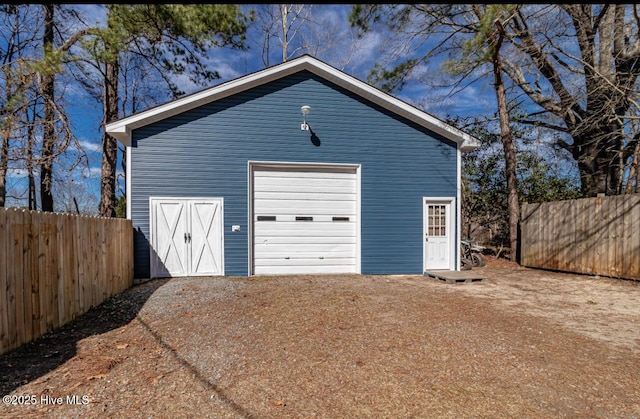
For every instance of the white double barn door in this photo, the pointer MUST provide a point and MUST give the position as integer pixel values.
(187, 237)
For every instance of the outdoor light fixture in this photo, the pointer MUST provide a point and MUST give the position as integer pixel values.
(306, 109)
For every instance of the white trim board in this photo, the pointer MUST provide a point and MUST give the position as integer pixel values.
(127, 182)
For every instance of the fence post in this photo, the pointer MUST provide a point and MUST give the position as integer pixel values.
(4, 304)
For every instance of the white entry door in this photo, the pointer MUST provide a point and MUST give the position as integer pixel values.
(438, 234)
(186, 237)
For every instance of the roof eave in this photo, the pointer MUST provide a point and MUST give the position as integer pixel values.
(120, 132)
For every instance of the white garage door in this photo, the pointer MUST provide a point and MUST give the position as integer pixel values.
(304, 220)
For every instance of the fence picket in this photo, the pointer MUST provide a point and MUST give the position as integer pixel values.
(618, 248)
(17, 261)
(32, 279)
(633, 245)
(4, 322)
(44, 252)
(52, 279)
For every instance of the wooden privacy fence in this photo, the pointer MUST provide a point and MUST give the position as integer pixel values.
(598, 236)
(54, 267)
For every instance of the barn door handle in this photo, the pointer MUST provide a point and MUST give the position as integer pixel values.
(189, 237)
(185, 237)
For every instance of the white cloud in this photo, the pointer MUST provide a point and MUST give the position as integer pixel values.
(366, 54)
(226, 63)
(17, 173)
(91, 146)
(93, 172)
(93, 14)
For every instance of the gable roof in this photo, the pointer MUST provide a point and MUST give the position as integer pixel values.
(121, 129)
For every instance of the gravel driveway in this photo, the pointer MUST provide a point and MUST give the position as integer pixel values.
(524, 343)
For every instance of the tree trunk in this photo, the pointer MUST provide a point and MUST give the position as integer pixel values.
(598, 161)
(632, 181)
(123, 164)
(48, 140)
(284, 10)
(5, 132)
(6, 126)
(109, 144)
(33, 205)
(4, 164)
(513, 203)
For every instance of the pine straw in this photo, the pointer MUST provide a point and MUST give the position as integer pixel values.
(338, 346)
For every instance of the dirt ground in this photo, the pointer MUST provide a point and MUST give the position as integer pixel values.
(523, 343)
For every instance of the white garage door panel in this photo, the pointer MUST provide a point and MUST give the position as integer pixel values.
(322, 188)
(303, 207)
(307, 262)
(317, 218)
(285, 252)
(318, 182)
(285, 270)
(344, 249)
(295, 231)
(308, 240)
(286, 255)
(337, 227)
(320, 245)
(300, 173)
(306, 196)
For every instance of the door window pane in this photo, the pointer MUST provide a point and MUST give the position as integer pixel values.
(437, 220)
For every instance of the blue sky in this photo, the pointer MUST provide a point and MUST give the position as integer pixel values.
(355, 56)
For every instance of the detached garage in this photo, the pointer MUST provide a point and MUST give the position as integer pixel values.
(295, 169)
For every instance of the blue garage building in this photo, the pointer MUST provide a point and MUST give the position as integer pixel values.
(297, 168)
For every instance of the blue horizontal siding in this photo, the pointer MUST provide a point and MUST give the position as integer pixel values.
(204, 153)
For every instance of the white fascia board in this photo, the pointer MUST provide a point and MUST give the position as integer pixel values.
(121, 129)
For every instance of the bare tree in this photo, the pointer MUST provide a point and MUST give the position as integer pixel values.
(47, 86)
(496, 39)
(584, 60)
(631, 177)
(17, 38)
(290, 30)
(574, 67)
